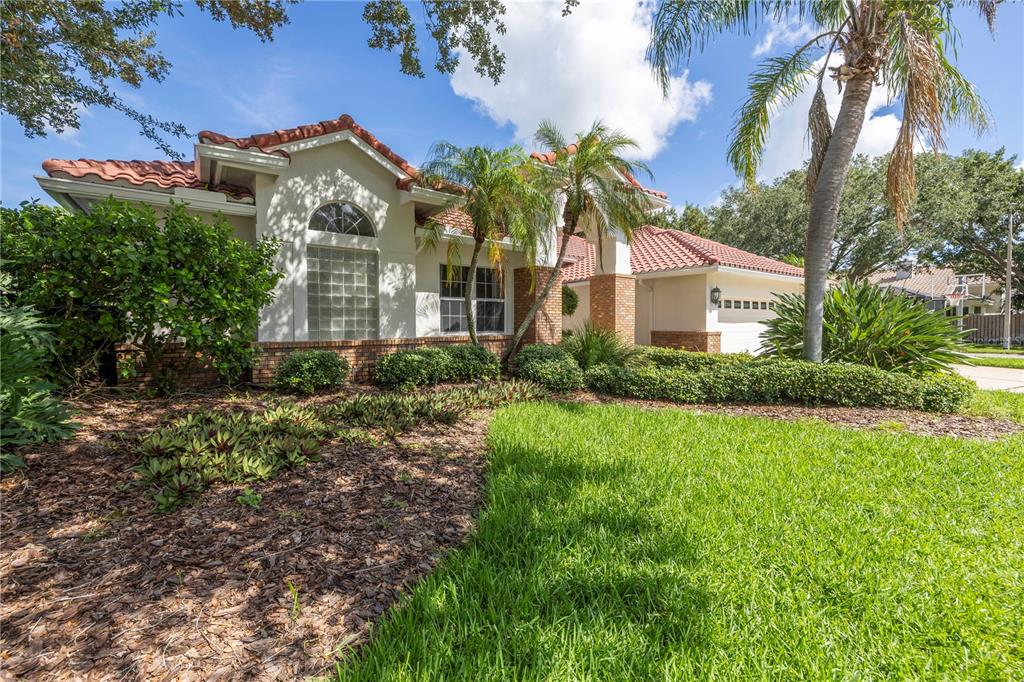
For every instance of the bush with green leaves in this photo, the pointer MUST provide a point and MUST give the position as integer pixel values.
(550, 366)
(121, 274)
(673, 358)
(596, 346)
(435, 365)
(29, 411)
(772, 381)
(867, 325)
(570, 300)
(309, 371)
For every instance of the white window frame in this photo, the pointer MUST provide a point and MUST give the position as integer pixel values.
(475, 300)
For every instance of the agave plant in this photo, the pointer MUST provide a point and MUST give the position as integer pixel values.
(596, 346)
(867, 325)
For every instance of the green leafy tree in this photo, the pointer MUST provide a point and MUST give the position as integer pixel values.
(586, 180)
(977, 193)
(120, 274)
(691, 218)
(502, 194)
(772, 220)
(901, 44)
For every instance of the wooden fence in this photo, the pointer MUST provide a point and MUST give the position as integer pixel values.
(989, 328)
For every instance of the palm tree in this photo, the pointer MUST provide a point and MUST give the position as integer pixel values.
(900, 44)
(501, 194)
(594, 185)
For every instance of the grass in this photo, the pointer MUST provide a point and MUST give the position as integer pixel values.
(982, 348)
(998, 404)
(619, 543)
(1010, 363)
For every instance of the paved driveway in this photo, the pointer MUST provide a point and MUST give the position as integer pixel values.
(999, 378)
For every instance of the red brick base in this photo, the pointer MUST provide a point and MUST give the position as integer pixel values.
(361, 356)
(189, 372)
(547, 325)
(706, 342)
(613, 304)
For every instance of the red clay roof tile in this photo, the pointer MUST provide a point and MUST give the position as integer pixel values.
(162, 174)
(654, 249)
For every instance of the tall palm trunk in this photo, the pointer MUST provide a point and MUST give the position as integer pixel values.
(824, 210)
(470, 284)
(517, 338)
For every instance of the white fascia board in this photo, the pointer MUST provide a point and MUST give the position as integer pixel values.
(759, 273)
(344, 136)
(682, 272)
(245, 159)
(75, 188)
(431, 197)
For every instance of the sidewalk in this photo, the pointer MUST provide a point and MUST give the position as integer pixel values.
(994, 378)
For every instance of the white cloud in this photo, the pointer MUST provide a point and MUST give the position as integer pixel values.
(788, 143)
(786, 33)
(581, 68)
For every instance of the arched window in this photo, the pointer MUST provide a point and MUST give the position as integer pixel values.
(341, 218)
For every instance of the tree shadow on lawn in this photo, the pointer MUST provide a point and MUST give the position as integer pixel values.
(572, 572)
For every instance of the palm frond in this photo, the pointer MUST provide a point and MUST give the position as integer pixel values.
(775, 82)
(820, 126)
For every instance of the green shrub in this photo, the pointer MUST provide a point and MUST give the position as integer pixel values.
(779, 381)
(570, 300)
(595, 346)
(683, 359)
(29, 411)
(550, 366)
(308, 371)
(434, 365)
(867, 325)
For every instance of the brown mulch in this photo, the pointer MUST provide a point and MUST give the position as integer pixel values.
(910, 421)
(96, 585)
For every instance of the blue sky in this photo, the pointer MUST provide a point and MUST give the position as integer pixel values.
(568, 70)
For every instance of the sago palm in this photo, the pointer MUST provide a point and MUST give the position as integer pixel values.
(502, 195)
(593, 184)
(901, 45)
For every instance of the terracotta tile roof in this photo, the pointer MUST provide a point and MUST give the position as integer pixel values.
(454, 217)
(549, 158)
(924, 282)
(159, 174)
(654, 249)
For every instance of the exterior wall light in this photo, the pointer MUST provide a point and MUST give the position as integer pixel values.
(716, 296)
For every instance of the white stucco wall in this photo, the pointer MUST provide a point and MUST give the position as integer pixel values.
(578, 319)
(741, 328)
(679, 303)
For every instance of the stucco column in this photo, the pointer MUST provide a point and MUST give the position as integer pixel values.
(613, 288)
(547, 325)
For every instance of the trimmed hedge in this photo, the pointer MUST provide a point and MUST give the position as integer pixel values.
(550, 366)
(428, 366)
(684, 359)
(775, 381)
(308, 371)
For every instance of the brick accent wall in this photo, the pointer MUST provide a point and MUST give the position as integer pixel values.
(189, 372)
(707, 342)
(361, 355)
(547, 325)
(613, 304)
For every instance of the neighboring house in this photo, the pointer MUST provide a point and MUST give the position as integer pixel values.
(689, 292)
(349, 212)
(942, 289)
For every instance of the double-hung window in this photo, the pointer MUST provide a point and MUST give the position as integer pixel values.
(488, 301)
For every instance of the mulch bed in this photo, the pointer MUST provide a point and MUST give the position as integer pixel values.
(98, 586)
(910, 421)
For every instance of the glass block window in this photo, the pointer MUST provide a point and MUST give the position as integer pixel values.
(341, 293)
(489, 302)
(341, 218)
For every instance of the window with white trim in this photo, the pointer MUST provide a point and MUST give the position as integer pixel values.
(488, 302)
(341, 218)
(341, 293)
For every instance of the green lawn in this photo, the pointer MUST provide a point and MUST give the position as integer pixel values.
(618, 543)
(999, 404)
(980, 348)
(1010, 363)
